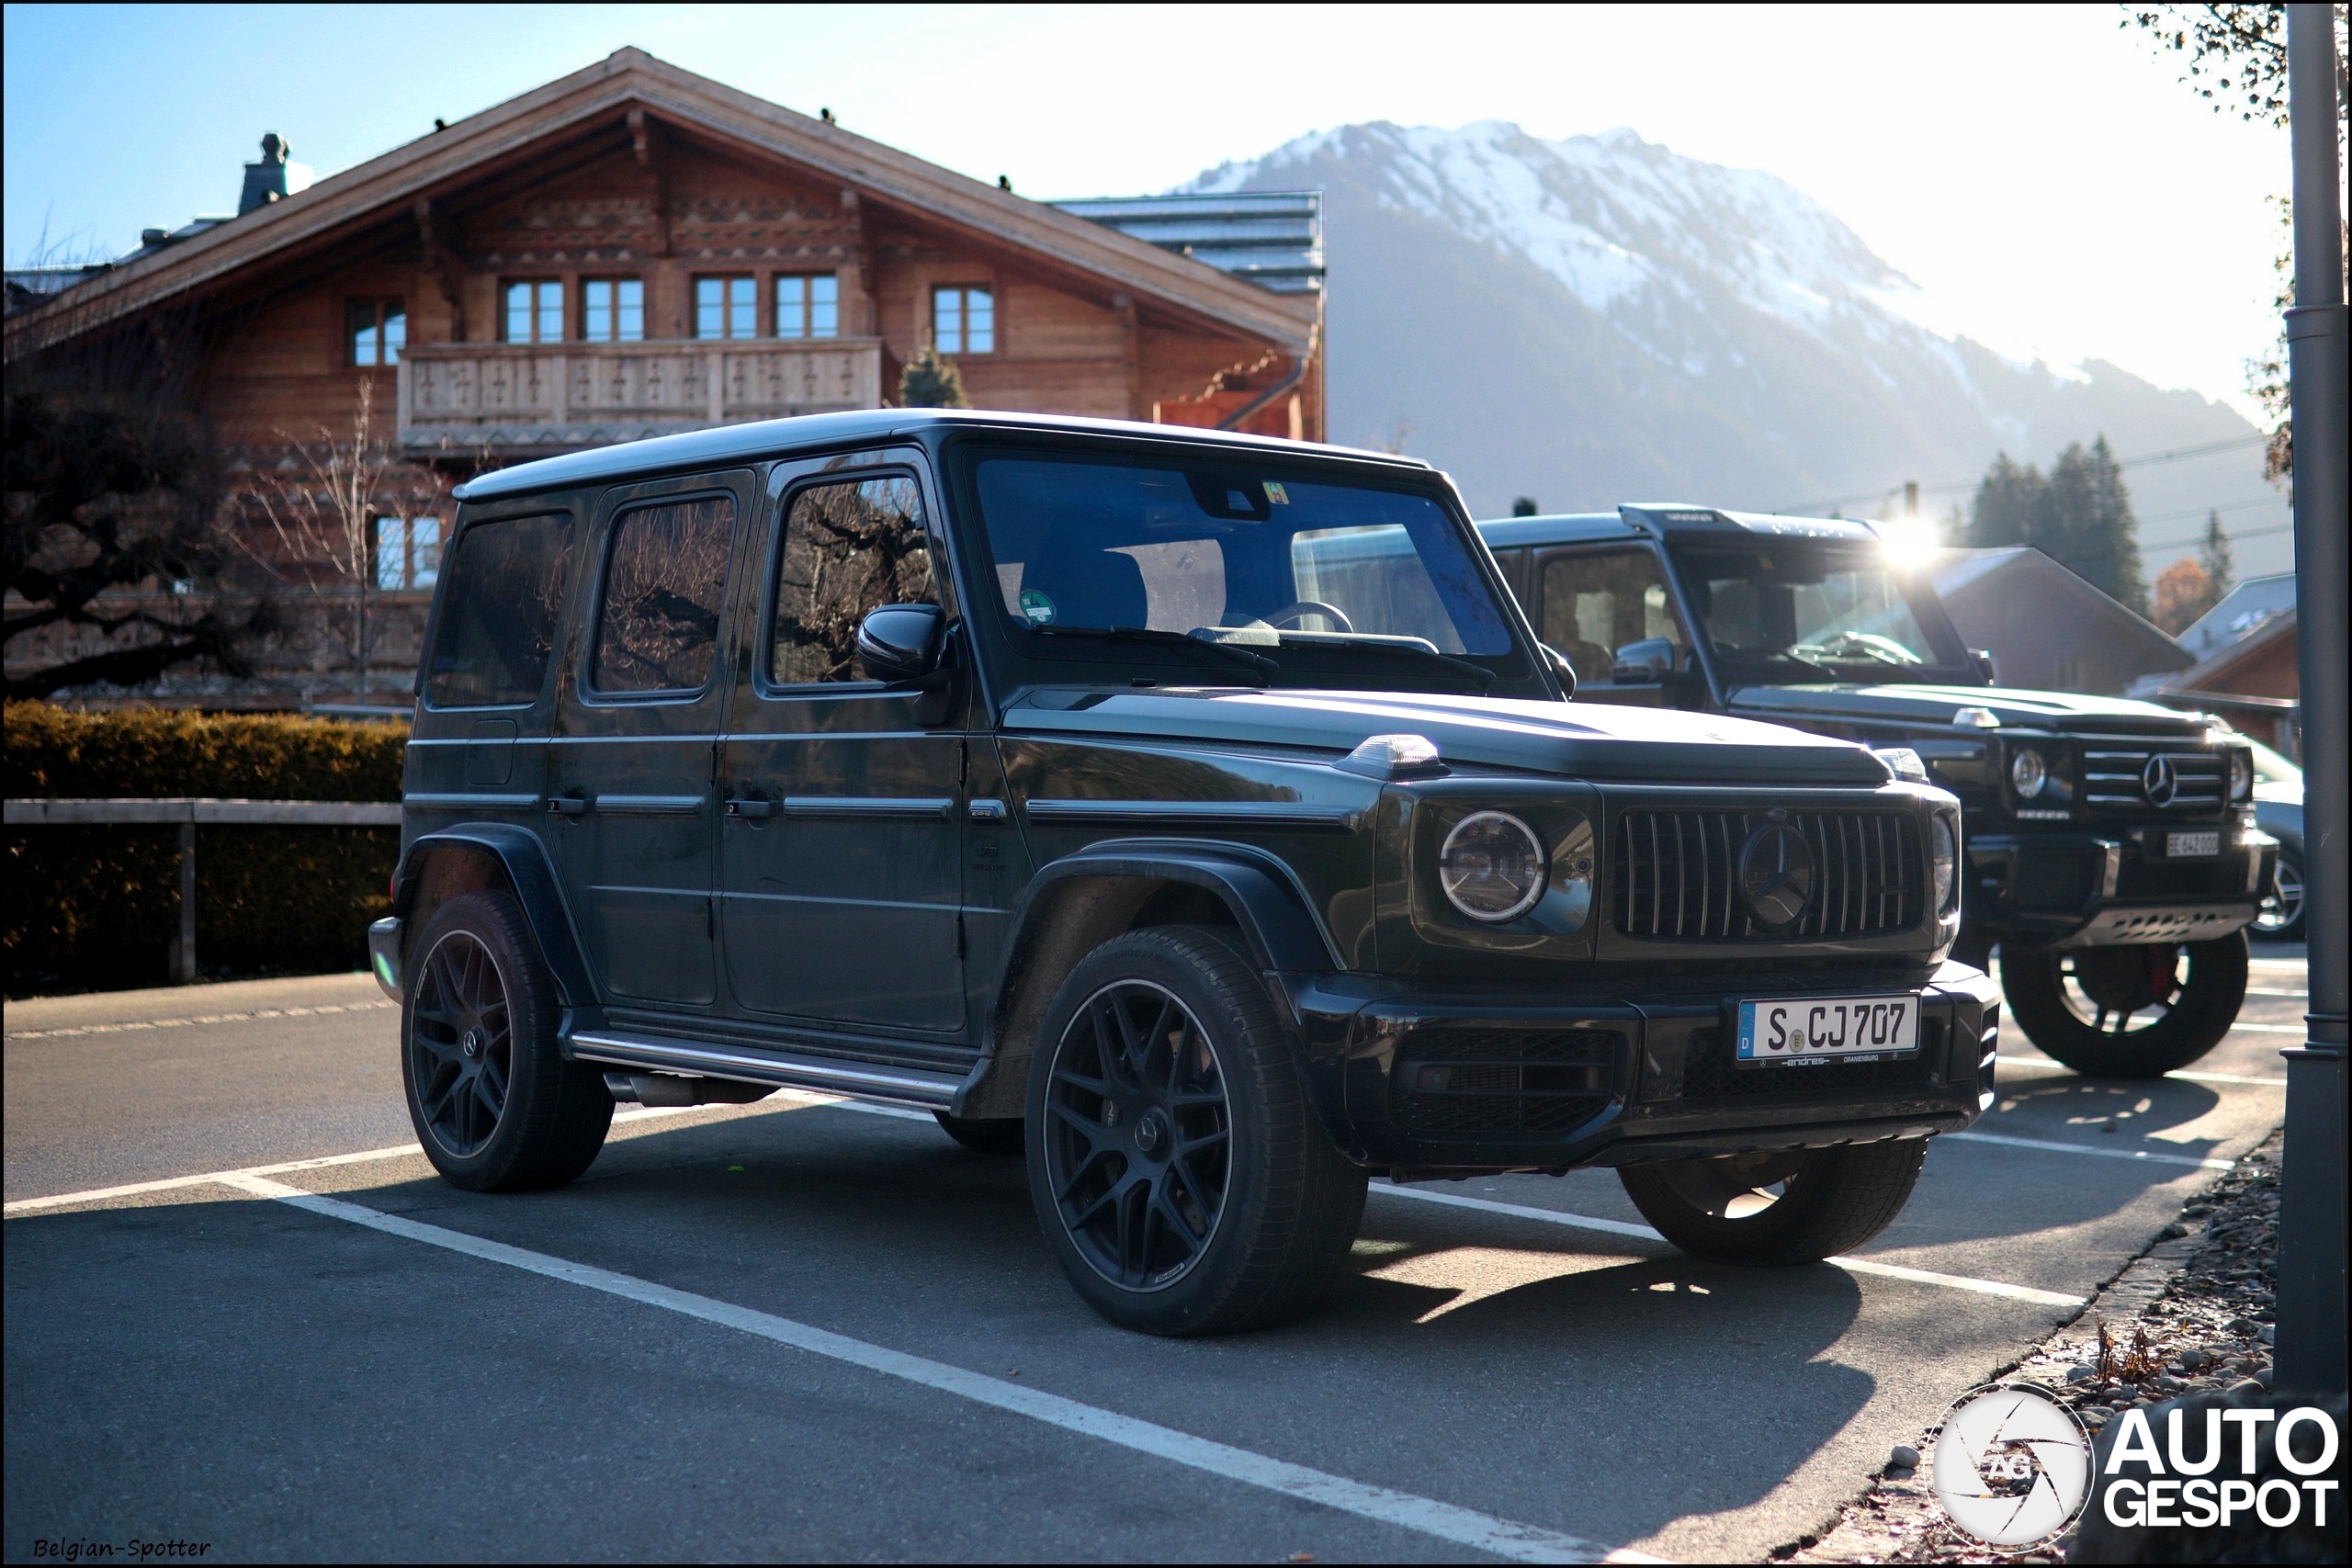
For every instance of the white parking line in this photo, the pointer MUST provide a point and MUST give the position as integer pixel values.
(1463, 1527)
(2052, 1147)
(1643, 1233)
(787, 1100)
(2012, 1064)
(205, 1018)
(2268, 1028)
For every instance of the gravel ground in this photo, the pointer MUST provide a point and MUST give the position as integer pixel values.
(2192, 1315)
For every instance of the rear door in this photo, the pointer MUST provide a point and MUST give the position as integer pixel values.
(841, 855)
(634, 821)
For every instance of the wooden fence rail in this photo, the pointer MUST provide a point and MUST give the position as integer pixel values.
(187, 812)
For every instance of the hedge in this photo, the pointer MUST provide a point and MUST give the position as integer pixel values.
(98, 907)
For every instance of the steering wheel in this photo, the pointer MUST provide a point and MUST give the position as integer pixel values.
(1300, 609)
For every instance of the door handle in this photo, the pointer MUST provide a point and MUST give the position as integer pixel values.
(568, 804)
(751, 807)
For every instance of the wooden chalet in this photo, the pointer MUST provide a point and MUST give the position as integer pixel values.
(634, 250)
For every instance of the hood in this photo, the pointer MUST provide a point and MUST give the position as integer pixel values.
(1586, 740)
(2071, 713)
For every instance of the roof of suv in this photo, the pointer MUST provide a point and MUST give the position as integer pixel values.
(1663, 520)
(731, 443)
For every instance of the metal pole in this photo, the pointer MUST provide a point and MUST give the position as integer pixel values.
(2310, 1320)
(184, 949)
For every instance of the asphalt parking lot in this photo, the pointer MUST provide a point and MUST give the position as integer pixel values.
(810, 1330)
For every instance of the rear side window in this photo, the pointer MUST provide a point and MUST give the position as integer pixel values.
(657, 624)
(498, 613)
(848, 549)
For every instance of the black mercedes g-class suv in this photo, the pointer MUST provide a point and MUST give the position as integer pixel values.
(1194, 813)
(2112, 851)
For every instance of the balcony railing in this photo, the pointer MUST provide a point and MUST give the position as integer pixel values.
(555, 397)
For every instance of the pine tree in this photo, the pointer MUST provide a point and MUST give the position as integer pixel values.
(2213, 554)
(2080, 516)
(2008, 501)
(931, 381)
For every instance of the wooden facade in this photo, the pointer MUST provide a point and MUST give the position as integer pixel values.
(635, 173)
(541, 277)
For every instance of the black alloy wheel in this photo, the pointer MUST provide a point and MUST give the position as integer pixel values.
(1769, 1210)
(1137, 1135)
(1182, 1180)
(2138, 1012)
(2281, 919)
(494, 1103)
(461, 1044)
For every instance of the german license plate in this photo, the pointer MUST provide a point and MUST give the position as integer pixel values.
(2189, 846)
(1810, 1030)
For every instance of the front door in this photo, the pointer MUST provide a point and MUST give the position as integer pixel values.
(1591, 602)
(629, 778)
(841, 864)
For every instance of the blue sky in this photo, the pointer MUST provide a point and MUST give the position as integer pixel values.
(2038, 170)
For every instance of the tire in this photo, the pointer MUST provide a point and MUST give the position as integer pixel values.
(480, 1008)
(1182, 1179)
(1828, 1200)
(986, 1135)
(2064, 1000)
(2282, 912)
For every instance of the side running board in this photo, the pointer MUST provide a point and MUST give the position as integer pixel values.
(903, 1085)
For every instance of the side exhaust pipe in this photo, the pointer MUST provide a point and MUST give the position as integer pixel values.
(667, 1090)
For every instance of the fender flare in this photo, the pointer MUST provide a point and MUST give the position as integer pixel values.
(1264, 894)
(524, 860)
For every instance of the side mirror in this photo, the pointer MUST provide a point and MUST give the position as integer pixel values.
(1644, 663)
(1561, 668)
(901, 643)
(1981, 659)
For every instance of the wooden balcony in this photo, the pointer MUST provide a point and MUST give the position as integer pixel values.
(540, 398)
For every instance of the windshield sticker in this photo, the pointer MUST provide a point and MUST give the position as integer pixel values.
(1037, 607)
(1276, 494)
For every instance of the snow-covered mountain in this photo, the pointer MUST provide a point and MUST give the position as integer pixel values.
(1600, 319)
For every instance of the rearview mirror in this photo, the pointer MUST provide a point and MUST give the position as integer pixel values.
(1644, 663)
(899, 643)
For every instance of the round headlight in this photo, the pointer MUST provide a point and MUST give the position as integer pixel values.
(2241, 775)
(2028, 774)
(1943, 846)
(1492, 866)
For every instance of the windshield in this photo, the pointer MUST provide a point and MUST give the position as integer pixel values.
(1317, 580)
(1790, 612)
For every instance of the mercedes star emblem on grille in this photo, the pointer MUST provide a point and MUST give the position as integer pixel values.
(2160, 780)
(1776, 875)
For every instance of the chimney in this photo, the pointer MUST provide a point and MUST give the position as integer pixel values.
(274, 178)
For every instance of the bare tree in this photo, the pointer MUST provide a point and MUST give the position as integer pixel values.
(321, 503)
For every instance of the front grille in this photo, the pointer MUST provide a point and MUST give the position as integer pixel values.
(1677, 874)
(1503, 1083)
(1708, 1072)
(2115, 778)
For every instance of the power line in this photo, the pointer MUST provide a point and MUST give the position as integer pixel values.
(2176, 455)
(2233, 538)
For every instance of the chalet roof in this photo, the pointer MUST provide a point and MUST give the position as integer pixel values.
(2219, 671)
(443, 161)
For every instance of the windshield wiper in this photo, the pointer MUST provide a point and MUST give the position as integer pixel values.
(1264, 667)
(1477, 675)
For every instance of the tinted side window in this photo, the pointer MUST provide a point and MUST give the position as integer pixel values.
(658, 619)
(499, 611)
(1596, 604)
(848, 548)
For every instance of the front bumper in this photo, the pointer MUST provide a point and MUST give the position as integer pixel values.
(2080, 888)
(1425, 1077)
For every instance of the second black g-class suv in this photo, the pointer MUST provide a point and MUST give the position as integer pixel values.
(2112, 851)
(1193, 814)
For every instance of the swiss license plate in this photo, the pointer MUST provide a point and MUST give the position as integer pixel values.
(1805, 1031)
(2189, 846)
